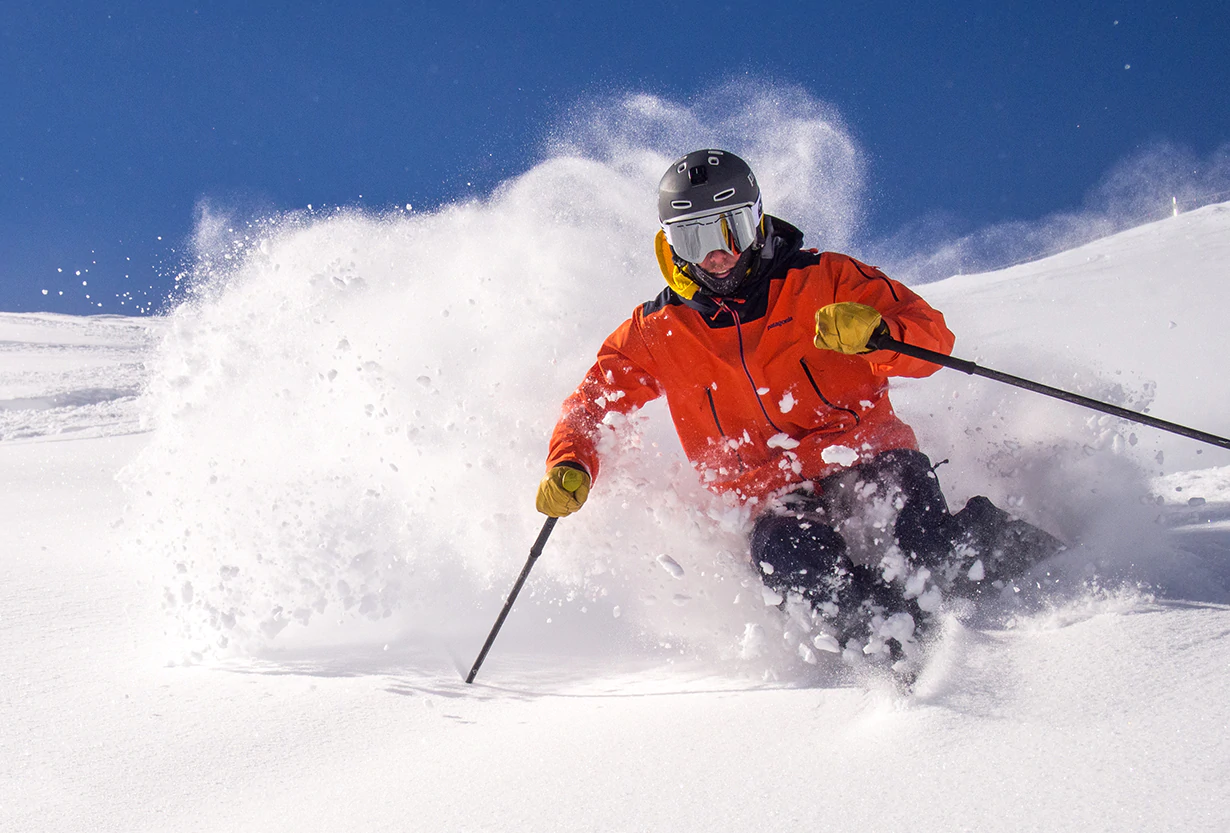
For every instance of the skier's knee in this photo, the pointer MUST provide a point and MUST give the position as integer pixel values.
(794, 554)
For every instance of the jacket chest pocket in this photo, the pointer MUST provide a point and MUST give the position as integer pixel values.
(840, 396)
(713, 438)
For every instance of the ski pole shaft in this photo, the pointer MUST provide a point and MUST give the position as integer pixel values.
(887, 343)
(535, 551)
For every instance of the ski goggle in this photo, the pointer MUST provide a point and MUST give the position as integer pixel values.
(730, 230)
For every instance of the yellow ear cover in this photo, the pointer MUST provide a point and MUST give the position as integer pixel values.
(845, 327)
(563, 491)
(675, 279)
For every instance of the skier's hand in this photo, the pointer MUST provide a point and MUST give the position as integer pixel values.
(846, 327)
(563, 491)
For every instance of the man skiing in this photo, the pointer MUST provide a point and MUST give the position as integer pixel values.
(764, 352)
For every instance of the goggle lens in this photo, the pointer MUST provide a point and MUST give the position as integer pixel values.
(729, 231)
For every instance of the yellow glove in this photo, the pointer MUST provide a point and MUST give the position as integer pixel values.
(846, 327)
(563, 491)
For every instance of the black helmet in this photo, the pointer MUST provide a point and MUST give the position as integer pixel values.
(701, 188)
(708, 201)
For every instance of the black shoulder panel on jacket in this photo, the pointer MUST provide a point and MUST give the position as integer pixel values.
(799, 260)
(666, 298)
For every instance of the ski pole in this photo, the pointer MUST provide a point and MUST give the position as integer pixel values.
(535, 551)
(884, 342)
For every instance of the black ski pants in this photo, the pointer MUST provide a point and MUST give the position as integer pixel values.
(803, 547)
(827, 546)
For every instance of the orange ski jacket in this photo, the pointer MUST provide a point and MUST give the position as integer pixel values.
(758, 408)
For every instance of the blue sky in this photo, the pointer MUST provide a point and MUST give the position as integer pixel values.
(117, 119)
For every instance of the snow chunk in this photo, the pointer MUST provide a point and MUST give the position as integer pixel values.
(786, 405)
(930, 601)
(771, 597)
(827, 642)
(916, 584)
(977, 572)
(900, 626)
(753, 641)
(782, 441)
(893, 565)
(839, 454)
(670, 565)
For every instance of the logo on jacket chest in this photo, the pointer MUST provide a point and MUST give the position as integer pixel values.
(780, 323)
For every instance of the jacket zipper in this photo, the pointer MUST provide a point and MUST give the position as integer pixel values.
(746, 371)
(812, 379)
(713, 410)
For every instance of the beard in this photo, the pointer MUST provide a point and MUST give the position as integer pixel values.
(735, 279)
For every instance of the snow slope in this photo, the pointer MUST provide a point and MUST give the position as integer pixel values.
(245, 600)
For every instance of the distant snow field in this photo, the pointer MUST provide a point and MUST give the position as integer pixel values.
(251, 548)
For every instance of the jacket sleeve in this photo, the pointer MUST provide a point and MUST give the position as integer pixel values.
(619, 382)
(908, 316)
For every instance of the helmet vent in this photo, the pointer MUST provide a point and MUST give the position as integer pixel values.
(713, 160)
(724, 195)
(698, 175)
(681, 204)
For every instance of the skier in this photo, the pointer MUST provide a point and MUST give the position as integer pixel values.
(762, 349)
